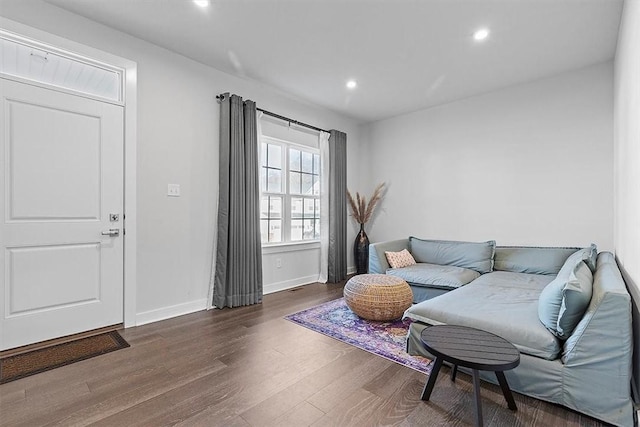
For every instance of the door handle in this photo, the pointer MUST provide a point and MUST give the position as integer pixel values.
(113, 232)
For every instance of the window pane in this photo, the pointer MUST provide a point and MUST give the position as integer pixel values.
(307, 162)
(296, 229)
(316, 164)
(274, 184)
(308, 229)
(294, 183)
(275, 231)
(294, 160)
(275, 207)
(317, 208)
(264, 208)
(308, 208)
(317, 229)
(316, 185)
(275, 156)
(263, 179)
(307, 183)
(263, 154)
(296, 208)
(264, 230)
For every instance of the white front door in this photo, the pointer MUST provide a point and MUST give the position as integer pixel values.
(61, 179)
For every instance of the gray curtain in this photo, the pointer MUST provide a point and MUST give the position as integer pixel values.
(238, 274)
(337, 207)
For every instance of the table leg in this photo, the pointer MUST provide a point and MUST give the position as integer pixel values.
(504, 385)
(454, 371)
(476, 392)
(428, 388)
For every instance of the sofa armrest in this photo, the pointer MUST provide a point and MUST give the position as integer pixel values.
(377, 260)
(599, 350)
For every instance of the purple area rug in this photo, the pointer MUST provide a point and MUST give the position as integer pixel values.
(384, 339)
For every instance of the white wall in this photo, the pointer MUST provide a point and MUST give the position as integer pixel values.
(177, 143)
(527, 165)
(627, 142)
(627, 158)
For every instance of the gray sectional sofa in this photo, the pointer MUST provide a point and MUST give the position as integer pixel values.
(525, 297)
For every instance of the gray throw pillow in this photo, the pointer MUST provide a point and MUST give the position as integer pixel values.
(563, 302)
(471, 255)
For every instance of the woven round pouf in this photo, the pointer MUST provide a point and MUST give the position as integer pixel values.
(378, 297)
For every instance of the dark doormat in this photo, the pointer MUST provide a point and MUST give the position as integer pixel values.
(44, 359)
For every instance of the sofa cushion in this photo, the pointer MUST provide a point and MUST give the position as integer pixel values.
(563, 301)
(399, 259)
(501, 302)
(533, 260)
(433, 275)
(475, 256)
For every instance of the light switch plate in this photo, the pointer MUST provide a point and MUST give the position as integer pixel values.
(173, 190)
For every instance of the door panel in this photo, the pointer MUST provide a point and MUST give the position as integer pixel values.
(36, 289)
(67, 185)
(62, 158)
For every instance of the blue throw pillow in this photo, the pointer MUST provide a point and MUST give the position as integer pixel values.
(563, 302)
(474, 256)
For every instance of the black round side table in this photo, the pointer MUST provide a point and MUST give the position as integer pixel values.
(471, 348)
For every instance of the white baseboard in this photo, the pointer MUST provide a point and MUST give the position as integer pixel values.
(171, 311)
(288, 284)
(201, 304)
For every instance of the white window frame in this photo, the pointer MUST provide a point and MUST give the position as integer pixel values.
(285, 194)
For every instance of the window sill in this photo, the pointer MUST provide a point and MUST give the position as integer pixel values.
(276, 248)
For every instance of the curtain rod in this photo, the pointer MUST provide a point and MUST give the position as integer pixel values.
(283, 118)
(295, 122)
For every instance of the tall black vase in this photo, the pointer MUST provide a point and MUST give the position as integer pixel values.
(361, 251)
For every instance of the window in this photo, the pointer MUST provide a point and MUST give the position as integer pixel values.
(50, 66)
(290, 185)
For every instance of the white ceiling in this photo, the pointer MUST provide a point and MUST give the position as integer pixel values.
(406, 55)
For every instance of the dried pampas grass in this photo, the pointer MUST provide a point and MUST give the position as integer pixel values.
(360, 209)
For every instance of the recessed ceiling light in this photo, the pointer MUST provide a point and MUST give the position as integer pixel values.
(202, 3)
(351, 84)
(481, 34)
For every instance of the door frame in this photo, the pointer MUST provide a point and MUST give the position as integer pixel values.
(130, 91)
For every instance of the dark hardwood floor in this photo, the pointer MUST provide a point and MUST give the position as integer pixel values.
(250, 367)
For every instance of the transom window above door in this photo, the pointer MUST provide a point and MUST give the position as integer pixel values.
(34, 62)
(290, 186)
